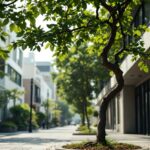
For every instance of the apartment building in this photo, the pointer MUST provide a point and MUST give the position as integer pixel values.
(40, 88)
(12, 68)
(129, 111)
(46, 69)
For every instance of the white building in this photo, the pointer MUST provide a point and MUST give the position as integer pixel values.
(12, 67)
(46, 69)
(41, 89)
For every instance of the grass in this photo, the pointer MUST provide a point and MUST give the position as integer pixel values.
(108, 146)
(83, 130)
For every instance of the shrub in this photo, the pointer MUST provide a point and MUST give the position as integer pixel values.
(95, 113)
(55, 122)
(8, 126)
(81, 128)
(21, 115)
(40, 117)
(85, 131)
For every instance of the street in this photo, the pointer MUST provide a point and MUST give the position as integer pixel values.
(54, 138)
(51, 139)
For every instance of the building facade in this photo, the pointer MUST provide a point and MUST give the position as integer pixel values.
(13, 77)
(46, 69)
(40, 88)
(12, 68)
(129, 111)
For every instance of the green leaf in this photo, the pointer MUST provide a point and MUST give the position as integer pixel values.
(3, 38)
(14, 28)
(47, 45)
(143, 67)
(10, 47)
(6, 21)
(137, 32)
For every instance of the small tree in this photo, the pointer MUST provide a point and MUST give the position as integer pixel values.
(48, 105)
(6, 96)
(21, 115)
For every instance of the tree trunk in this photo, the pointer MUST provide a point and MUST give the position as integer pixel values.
(101, 133)
(102, 123)
(5, 110)
(14, 102)
(83, 114)
(86, 114)
(83, 119)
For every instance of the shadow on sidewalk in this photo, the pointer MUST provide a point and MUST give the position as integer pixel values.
(36, 141)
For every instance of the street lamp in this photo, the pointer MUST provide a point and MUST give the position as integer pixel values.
(47, 117)
(31, 101)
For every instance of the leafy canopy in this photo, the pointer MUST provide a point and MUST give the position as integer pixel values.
(69, 22)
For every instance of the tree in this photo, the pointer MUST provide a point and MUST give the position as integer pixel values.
(100, 22)
(21, 115)
(11, 20)
(48, 105)
(78, 80)
(6, 96)
(66, 113)
(15, 95)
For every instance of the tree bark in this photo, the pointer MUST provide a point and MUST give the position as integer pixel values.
(101, 133)
(102, 123)
(86, 114)
(83, 113)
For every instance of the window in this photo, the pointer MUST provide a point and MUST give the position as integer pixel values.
(2, 65)
(44, 68)
(19, 57)
(37, 94)
(14, 75)
(147, 12)
(14, 52)
(142, 102)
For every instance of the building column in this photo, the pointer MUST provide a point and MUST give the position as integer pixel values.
(128, 110)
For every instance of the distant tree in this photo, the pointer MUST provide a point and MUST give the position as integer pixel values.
(66, 114)
(79, 81)
(49, 106)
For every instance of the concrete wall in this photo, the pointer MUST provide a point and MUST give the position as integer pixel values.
(129, 110)
(27, 86)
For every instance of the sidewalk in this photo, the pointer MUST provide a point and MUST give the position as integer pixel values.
(140, 140)
(53, 139)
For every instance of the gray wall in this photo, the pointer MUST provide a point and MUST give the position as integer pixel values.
(128, 110)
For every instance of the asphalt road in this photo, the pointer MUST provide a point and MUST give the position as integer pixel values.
(51, 139)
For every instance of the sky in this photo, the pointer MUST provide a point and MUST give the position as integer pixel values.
(43, 55)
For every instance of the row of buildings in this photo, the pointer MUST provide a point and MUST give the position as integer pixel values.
(129, 111)
(19, 72)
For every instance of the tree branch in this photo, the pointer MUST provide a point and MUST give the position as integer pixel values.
(123, 46)
(104, 4)
(121, 10)
(97, 14)
(5, 5)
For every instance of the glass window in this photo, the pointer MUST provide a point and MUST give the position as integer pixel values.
(143, 108)
(147, 11)
(37, 94)
(14, 54)
(2, 65)
(19, 57)
(14, 75)
(44, 68)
